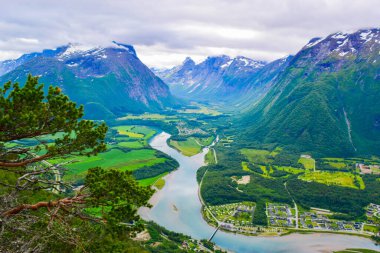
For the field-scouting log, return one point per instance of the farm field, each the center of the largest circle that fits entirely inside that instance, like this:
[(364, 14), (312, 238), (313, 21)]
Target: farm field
[(308, 163), (205, 141), (189, 147), (245, 167), (201, 109), (290, 169), (149, 116), (371, 228), (256, 155), (209, 158), (334, 178), (152, 180), (127, 150), (113, 159)]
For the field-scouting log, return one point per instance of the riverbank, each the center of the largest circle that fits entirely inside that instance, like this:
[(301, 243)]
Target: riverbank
[(181, 190)]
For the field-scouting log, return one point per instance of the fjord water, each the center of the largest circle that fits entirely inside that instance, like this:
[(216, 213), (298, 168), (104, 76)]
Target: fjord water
[(177, 207)]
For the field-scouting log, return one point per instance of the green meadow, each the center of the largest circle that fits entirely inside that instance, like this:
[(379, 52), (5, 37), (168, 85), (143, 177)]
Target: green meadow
[(334, 178), (189, 147), (127, 150), (256, 155)]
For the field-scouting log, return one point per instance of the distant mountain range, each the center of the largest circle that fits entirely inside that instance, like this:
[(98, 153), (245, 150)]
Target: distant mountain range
[(221, 78), (109, 81)]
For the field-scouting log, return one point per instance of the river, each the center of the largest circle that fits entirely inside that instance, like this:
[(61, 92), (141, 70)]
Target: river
[(177, 207)]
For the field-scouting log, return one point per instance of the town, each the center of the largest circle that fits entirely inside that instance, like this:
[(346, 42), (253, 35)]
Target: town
[(282, 218)]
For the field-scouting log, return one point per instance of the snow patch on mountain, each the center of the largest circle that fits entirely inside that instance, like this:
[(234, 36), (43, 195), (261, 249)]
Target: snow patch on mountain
[(225, 65)]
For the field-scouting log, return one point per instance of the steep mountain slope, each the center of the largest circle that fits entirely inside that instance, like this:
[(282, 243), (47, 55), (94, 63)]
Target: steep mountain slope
[(218, 78), (109, 81), (326, 100)]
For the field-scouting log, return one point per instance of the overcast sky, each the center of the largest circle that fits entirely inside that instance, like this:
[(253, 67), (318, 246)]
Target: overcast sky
[(164, 32)]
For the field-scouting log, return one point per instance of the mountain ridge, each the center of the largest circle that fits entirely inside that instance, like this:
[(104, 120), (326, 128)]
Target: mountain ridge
[(325, 100), (112, 78)]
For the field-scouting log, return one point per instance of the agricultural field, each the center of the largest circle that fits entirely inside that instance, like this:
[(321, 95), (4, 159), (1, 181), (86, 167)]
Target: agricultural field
[(189, 147), (133, 133), (210, 158), (257, 155), (113, 159), (205, 141), (149, 116), (245, 167), (290, 169), (371, 228), (154, 181), (344, 179), (201, 109), (127, 150), (338, 165), (308, 163)]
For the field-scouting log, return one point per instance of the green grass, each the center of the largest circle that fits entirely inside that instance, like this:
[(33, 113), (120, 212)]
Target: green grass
[(113, 158), (160, 183), (370, 228), (338, 165), (290, 169), (148, 116), (151, 180), (308, 163), (209, 158), (244, 165), (276, 151), (201, 110), (205, 141), (130, 144), (256, 155), (137, 132), (189, 147), (265, 171), (344, 179), (357, 251)]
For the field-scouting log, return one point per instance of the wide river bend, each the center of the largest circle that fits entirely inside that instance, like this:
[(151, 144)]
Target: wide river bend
[(178, 208)]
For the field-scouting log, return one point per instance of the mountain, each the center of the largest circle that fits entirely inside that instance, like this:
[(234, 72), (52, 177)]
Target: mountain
[(108, 81), (217, 78), (326, 100), (9, 65)]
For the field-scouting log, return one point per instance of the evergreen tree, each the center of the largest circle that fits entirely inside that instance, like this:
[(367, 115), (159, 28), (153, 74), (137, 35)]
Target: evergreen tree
[(38, 211)]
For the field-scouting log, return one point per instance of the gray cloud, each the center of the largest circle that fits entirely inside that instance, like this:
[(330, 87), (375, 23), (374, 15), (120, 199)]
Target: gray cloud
[(166, 31)]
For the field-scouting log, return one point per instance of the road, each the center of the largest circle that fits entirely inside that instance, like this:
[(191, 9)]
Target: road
[(295, 205)]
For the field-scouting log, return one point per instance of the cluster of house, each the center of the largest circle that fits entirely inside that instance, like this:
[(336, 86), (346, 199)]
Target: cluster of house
[(373, 210), (183, 130), (318, 221), (368, 169), (280, 215), (233, 223), (244, 209)]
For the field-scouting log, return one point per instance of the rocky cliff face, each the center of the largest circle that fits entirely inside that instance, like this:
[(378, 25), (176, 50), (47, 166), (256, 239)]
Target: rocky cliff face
[(109, 81)]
